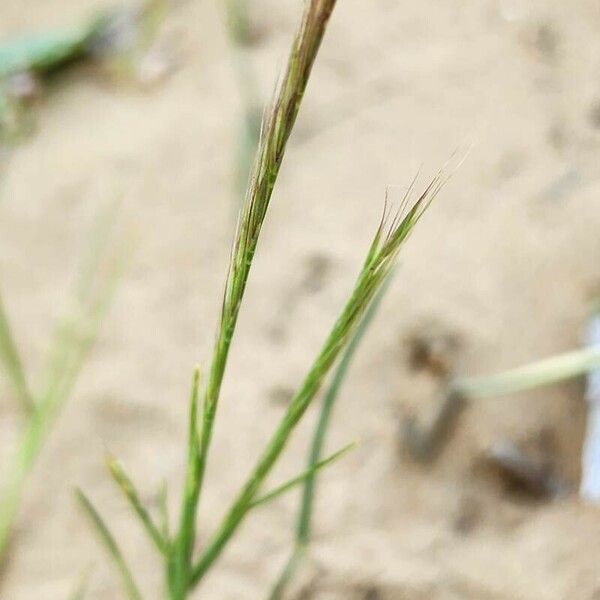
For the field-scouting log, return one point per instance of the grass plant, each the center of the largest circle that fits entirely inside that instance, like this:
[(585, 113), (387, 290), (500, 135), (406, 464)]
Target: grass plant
[(185, 562), (185, 567)]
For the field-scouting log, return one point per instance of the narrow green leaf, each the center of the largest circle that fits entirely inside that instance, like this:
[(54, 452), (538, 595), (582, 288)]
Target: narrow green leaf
[(183, 545), (292, 483), (303, 527), (110, 544), (339, 376), (163, 507), (128, 488), (9, 356), (69, 349)]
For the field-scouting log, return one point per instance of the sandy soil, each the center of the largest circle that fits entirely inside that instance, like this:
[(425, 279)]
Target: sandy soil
[(506, 260)]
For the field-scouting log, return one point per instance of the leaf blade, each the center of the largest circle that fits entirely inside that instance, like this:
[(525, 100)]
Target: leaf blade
[(110, 545), (306, 474), (129, 490)]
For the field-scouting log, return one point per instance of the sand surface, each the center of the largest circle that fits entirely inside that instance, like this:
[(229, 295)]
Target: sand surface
[(506, 260)]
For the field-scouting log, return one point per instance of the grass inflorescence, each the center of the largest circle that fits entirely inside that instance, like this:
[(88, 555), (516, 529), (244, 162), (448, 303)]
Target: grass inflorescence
[(273, 140)]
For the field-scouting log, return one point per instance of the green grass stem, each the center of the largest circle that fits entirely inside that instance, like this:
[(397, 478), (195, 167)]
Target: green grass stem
[(544, 372), (303, 526)]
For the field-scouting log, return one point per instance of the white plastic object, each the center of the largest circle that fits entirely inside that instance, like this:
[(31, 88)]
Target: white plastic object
[(590, 462)]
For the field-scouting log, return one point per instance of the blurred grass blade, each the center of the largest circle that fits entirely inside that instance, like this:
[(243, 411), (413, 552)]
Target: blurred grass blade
[(127, 487), (67, 360), (536, 374), (27, 450), (309, 473), (76, 335), (91, 300), (238, 21), (163, 507), (393, 231), (287, 573), (96, 250), (316, 450), (73, 340), (80, 590), (277, 128), (110, 544), (13, 366), (303, 527), (183, 544)]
